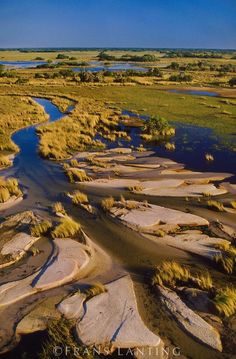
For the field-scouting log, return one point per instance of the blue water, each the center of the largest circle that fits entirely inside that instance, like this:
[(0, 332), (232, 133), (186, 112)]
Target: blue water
[(192, 143), (22, 64), (38, 176), (195, 92), (115, 67)]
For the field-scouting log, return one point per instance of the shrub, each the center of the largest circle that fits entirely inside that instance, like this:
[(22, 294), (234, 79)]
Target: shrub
[(232, 82), (79, 198), (41, 228), (158, 126), (107, 203), (181, 78), (62, 56), (67, 228)]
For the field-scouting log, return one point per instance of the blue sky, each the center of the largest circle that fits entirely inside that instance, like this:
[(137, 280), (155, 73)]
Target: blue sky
[(118, 23)]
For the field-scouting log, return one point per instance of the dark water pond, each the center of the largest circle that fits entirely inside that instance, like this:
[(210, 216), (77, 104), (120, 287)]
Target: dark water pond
[(22, 64), (195, 92), (192, 143)]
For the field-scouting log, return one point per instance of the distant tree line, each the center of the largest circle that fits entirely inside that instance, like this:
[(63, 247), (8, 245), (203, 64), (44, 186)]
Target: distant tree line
[(104, 56)]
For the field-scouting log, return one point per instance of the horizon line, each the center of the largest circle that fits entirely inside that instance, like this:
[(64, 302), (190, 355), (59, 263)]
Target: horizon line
[(113, 48)]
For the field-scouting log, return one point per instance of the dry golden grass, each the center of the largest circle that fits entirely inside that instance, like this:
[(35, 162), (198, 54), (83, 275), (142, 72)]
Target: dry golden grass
[(58, 208), (233, 204), (77, 131), (8, 188), (76, 175), (4, 161), (41, 228), (226, 260), (66, 229), (96, 289), (216, 206), (16, 112), (79, 198), (225, 301), (107, 203), (172, 274)]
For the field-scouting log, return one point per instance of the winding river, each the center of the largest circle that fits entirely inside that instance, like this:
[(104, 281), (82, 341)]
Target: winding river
[(44, 183)]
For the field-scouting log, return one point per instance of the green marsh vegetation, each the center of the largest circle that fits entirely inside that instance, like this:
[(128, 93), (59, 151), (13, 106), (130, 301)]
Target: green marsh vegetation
[(158, 127)]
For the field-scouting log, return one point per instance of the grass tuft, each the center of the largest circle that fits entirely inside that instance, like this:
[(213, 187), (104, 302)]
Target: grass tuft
[(79, 198), (216, 206), (96, 289), (107, 203), (225, 301), (58, 208), (40, 229), (67, 228)]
